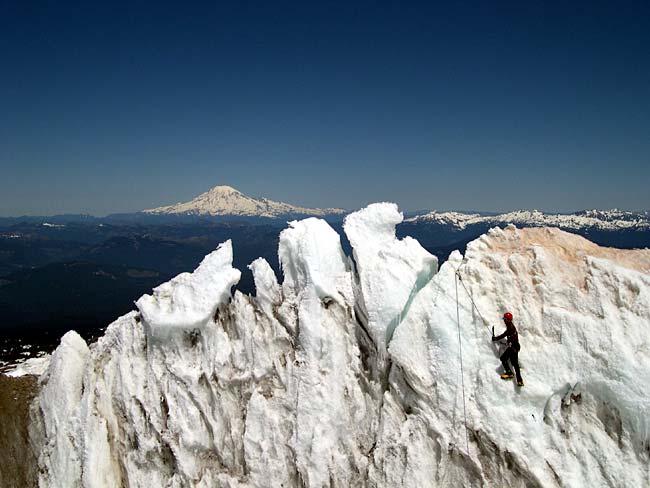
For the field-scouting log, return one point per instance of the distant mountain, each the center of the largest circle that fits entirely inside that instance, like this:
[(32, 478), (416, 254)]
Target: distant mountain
[(588, 219), (616, 228), (225, 200)]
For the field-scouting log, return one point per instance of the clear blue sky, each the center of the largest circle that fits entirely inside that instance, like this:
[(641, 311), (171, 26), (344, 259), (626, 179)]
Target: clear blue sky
[(489, 105)]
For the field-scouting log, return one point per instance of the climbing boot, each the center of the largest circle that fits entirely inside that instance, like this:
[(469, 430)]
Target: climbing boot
[(520, 383), (507, 376)]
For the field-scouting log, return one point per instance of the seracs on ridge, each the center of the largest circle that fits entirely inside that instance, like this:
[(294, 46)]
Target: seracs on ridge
[(347, 372)]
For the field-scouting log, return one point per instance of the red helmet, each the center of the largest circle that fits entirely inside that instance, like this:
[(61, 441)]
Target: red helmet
[(507, 316)]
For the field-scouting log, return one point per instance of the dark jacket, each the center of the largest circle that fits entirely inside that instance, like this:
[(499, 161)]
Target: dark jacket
[(510, 333)]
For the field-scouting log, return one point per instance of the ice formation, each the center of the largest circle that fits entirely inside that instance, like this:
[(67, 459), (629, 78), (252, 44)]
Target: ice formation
[(347, 373)]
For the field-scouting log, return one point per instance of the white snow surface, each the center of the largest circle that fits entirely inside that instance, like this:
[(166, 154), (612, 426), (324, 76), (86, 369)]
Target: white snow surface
[(226, 200), (190, 299), (348, 372), (391, 271)]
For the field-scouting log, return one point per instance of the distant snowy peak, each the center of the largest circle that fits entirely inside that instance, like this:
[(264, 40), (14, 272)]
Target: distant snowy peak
[(615, 215), (597, 219), (225, 200), (456, 219)]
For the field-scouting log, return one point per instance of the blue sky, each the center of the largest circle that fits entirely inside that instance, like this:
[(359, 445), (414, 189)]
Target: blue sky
[(489, 105)]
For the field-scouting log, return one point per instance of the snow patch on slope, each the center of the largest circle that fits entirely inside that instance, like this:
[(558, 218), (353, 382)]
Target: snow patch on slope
[(34, 366)]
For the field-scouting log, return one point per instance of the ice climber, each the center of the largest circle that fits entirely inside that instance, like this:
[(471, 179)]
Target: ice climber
[(511, 354)]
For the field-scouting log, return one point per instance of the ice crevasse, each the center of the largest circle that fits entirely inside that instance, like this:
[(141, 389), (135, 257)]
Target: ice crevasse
[(347, 372)]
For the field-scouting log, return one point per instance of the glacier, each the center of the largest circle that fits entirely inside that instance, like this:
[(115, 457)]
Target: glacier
[(347, 372)]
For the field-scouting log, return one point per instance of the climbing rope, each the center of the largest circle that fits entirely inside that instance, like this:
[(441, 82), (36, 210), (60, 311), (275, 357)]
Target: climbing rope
[(485, 322), (460, 345), (462, 375)]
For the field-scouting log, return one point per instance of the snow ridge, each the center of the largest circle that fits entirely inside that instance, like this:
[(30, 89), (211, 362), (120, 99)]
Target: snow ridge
[(302, 385), (225, 200), (597, 219)]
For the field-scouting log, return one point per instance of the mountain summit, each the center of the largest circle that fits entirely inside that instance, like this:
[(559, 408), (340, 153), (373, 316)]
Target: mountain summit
[(226, 200)]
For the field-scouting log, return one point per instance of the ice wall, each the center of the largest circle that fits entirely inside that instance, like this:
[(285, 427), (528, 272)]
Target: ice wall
[(347, 373), (583, 314)]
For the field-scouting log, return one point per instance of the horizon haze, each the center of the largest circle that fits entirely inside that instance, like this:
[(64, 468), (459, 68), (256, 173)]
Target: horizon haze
[(277, 206)]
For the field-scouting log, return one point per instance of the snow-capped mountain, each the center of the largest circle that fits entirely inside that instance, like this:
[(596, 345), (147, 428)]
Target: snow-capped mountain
[(225, 200), (609, 220), (348, 371)]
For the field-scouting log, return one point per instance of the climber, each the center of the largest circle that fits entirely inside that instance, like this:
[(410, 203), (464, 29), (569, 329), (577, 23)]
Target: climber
[(511, 353)]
